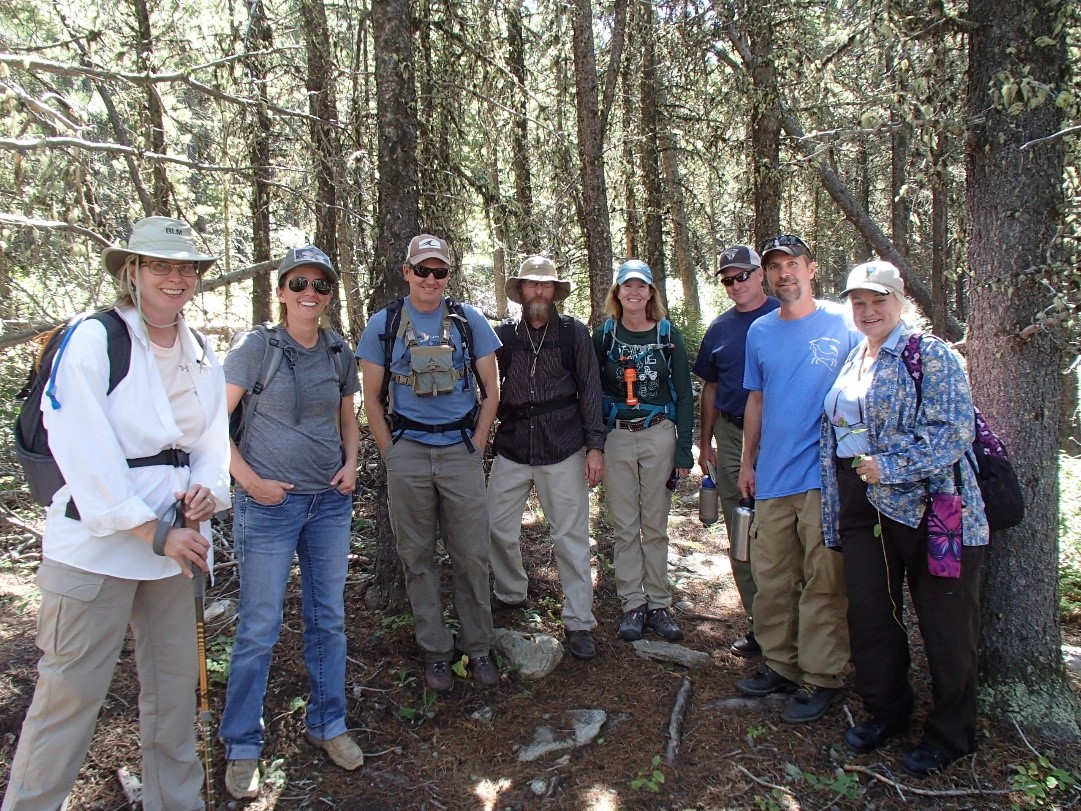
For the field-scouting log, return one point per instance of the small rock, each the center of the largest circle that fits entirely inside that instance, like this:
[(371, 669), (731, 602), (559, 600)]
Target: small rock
[(484, 714), (669, 652), (534, 656), (586, 726), (1071, 657), (538, 787), (223, 610)]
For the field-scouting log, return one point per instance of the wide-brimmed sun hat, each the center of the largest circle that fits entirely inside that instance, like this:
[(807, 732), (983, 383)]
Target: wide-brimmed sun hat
[(157, 238), (537, 269)]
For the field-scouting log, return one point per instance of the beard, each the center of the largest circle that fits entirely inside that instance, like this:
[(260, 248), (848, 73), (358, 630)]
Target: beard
[(537, 311)]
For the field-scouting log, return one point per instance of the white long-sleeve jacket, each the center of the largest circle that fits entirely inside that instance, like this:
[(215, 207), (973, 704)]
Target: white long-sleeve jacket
[(92, 435)]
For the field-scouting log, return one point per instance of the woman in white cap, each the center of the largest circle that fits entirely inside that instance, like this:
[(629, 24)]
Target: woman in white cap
[(295, 471), (897, 427), (649, 408), (111, 556)]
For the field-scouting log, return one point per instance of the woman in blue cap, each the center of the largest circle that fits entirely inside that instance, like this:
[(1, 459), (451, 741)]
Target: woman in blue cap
[(648, 405)]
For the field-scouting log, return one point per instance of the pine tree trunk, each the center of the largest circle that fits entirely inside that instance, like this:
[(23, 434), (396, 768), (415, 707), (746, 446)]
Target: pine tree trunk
[(1013, 203)]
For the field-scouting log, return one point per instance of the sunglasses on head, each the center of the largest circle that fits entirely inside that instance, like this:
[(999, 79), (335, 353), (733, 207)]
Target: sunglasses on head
[(742, 276), (424, 273), (298, 284), (783, 241)]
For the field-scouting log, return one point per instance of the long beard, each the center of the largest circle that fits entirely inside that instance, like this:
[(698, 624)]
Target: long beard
[(537, 311)]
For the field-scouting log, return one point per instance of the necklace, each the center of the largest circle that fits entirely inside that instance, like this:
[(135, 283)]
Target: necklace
[(535, 347)]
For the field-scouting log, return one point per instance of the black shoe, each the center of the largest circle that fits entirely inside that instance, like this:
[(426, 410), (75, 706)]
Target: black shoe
[(810, 703), (485, 673), (438, 677), (924, 760), (662, 621), (869, 735), (581, 645), (764, 681), (501, 605), (747, 647), (634, 621)]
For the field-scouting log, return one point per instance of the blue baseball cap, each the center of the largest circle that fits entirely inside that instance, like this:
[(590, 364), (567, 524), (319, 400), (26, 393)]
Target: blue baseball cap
[(634, 269)]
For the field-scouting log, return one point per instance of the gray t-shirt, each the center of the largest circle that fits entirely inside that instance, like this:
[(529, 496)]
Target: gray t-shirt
[(305, 452)]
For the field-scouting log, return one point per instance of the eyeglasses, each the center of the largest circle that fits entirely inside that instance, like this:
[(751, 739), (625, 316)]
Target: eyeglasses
[(158, 267), (741, 277), (298, 284), (424, 273), (784, 241)]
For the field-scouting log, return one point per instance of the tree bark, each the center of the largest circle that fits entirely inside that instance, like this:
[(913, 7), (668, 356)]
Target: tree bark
[(649, 157), (594, 210), (765, 121), (260, 38), (325, 141), (155, 120), (1014, 202), (398, 221), (525, 234)]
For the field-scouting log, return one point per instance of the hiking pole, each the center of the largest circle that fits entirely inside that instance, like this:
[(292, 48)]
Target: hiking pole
[(198, 584)]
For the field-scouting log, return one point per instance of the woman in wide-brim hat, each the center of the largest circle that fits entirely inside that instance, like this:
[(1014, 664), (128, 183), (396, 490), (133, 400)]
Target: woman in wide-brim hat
[(111, 556)]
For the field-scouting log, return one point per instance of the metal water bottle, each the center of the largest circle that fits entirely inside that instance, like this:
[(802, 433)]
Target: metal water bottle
[(707, 501), (740, 542)]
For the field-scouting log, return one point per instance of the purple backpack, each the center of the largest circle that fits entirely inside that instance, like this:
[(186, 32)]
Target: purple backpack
[(1002, 498)]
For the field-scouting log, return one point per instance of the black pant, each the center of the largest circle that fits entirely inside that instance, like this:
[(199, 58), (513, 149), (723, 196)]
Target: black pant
[(947, 609)]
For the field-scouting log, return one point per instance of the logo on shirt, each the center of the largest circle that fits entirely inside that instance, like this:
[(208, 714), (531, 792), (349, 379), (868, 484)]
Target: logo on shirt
[(825, 352)]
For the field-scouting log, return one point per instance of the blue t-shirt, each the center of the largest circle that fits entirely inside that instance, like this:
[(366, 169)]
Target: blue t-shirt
[(793, 364), (723, 352), (439, 409)]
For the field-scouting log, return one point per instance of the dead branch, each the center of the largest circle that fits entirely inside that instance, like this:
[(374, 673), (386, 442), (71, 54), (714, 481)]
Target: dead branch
[(59, 141), (926, 792), (785, 797), (675, 722), (52, 225), (1053, 138)]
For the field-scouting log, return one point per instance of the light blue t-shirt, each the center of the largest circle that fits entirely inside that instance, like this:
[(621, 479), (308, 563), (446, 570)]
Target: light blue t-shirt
[(793, 364), (439, 409)]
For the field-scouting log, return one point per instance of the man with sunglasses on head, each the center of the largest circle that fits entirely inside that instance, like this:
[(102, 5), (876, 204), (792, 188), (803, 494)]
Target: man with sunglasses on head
[(720, 365), (431, 388), (793, 356)]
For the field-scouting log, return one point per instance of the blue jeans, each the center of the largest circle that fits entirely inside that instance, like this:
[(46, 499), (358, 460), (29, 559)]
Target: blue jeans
[(316, 527)]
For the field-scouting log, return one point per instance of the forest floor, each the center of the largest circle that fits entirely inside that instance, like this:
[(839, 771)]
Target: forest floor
[(459, 750)]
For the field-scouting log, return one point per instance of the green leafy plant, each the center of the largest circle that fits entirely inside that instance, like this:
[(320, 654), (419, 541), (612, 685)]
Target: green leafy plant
[(403, 678), (650, 778), (219, 653), (770, 803), (393, 622), (425, 712), (754, 732), (1042, 783), (839, 782)]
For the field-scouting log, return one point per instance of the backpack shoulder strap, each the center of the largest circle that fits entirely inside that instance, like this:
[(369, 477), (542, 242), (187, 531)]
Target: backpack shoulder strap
[(567, 343), (272, 359), (119, 345), (336, 346), (910, 355), (465, 329), (388, 336), (507, 332)]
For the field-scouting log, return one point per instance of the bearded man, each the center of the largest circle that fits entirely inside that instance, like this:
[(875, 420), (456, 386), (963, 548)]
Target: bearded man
[(550, 438)]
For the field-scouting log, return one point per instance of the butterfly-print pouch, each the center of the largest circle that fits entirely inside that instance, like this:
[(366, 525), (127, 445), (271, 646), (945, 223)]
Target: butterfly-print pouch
[(944, 535)]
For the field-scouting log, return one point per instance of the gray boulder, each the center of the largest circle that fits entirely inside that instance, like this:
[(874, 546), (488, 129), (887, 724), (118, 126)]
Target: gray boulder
[(533, 656)]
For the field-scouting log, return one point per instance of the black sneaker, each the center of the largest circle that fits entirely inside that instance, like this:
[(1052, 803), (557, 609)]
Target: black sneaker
[(747, 647), (634, 621), (925, 759), (810, 703), (764, 681), (581, 644), (869, 735), (485, 673), (662, 621)]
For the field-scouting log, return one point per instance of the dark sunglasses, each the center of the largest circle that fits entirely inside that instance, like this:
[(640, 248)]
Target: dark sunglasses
[(424, 273), (298, 284), (742, 276), (784, 241)]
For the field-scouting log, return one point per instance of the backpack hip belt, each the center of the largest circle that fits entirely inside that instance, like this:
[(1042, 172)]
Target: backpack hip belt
[(400, 424), (509, 414)]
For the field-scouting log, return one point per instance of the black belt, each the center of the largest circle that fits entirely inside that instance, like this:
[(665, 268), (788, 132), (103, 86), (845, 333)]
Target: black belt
[(732, 418), (640, 424), (173, 457), (510, 414)]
